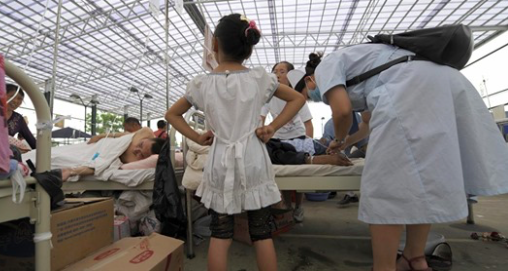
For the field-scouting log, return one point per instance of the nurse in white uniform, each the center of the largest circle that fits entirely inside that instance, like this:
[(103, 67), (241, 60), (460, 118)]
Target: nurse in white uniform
[(432, 140)]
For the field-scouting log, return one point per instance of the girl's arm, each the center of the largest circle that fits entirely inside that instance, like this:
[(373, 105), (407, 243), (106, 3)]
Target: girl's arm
[(342, 114), (309, 128), (294, 101), (174, 116)]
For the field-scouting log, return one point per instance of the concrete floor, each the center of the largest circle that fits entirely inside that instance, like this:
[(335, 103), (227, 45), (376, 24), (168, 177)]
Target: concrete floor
[(331, 238)]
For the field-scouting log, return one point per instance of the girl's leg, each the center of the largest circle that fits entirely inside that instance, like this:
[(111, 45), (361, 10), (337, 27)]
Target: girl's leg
[(222, 227), (260, 229), (265, 255), (416, 239), (218, 254), (286, 195), (385, 242)]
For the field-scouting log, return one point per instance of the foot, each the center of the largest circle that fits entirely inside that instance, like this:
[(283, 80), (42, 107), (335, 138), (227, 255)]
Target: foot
[(414, 264), (298, 215), (348, 199), (66, 173)]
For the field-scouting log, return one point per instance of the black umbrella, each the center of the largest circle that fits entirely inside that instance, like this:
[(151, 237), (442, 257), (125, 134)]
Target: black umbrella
[(69, 132)]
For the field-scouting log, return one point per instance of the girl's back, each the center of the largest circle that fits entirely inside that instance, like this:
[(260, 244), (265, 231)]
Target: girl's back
[(232, 100), (238, 162)]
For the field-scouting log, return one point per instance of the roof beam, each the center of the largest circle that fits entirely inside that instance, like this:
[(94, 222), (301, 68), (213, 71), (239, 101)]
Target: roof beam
[(87, 26), (275, 29), (349, 17), (195, 15)]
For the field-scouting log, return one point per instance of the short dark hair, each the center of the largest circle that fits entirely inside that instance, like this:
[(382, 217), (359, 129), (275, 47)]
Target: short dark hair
[(11, 88), (157, 145), (289, 65), (161, 124), (235, 37), (131, 120)]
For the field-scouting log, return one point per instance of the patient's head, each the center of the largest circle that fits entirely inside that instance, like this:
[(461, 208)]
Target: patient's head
[(131, 125), (148, 146)]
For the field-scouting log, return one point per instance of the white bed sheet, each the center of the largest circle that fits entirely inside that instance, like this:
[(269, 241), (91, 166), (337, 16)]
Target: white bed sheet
[(192, 178), (319, 170)]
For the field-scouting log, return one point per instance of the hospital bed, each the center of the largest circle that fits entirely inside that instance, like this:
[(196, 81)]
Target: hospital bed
[(302, 178), (36, 202)]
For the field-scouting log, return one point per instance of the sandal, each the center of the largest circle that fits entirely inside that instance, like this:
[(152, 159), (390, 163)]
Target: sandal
[(410, 263), (441, 257)]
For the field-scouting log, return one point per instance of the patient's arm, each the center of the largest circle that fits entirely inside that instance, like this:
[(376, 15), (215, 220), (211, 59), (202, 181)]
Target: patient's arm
[(96, 138), (142, 134), (81, 171)]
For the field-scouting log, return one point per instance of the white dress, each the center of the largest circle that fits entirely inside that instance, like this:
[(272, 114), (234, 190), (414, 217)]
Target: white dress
[(432, 138), (238, 175)]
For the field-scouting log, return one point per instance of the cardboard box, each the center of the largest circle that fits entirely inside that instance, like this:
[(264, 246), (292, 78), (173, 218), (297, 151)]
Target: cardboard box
[(79, 228), (122, 228), (283, 223), (150, 253)]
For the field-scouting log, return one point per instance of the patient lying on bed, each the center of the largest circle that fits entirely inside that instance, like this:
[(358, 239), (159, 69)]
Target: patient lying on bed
[(142, 146)]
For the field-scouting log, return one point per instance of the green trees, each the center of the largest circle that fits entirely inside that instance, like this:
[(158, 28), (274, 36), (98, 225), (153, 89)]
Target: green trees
[(104, 121)]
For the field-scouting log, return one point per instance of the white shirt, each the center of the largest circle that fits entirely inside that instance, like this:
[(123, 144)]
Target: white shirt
[(238, 175), (295, 127)]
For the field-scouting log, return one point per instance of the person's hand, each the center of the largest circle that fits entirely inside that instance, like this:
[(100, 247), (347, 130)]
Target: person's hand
[(335, 147), (94, 139), (265, 133), (206, 139), (342, 160)]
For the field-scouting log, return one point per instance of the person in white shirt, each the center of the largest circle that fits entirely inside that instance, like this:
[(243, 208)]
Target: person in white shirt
[(297, 132)]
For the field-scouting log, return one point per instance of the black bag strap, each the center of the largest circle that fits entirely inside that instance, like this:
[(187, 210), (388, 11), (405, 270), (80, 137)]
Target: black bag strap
[(368, 74)]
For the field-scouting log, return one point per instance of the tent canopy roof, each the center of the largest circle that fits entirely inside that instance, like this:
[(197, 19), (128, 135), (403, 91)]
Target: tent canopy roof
[(105, 47)]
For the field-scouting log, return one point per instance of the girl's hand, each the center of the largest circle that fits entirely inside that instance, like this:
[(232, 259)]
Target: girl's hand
[(265, 133), (206, 139)]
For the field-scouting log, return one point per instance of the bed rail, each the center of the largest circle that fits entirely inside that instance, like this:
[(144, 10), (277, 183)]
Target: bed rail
[(43, 153)]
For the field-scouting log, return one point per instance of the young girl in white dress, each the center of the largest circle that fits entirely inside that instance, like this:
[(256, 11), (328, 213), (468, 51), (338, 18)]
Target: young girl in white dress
[(238, 176)]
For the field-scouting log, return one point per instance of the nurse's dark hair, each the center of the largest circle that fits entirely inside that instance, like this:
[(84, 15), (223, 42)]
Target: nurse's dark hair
[(310, 67), (314, 60), (157, 145), (235, 41), (289, 65), (12, 88)]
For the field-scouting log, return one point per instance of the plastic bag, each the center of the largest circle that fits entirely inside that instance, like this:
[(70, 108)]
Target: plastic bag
[(167, 202)]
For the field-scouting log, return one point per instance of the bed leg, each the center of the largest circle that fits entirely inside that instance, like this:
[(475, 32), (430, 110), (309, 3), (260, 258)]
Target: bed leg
[(188, 204), (470, 215)]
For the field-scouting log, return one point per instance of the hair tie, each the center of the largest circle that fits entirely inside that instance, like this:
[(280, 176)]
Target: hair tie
[(252, 25)]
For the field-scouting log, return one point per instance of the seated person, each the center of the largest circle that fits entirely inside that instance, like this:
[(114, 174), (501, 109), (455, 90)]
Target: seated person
[(131, 125), (161, 132), (299, 130), (15, 122)]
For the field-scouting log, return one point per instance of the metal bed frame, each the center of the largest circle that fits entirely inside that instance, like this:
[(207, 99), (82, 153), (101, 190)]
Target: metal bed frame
[(36, 204)]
